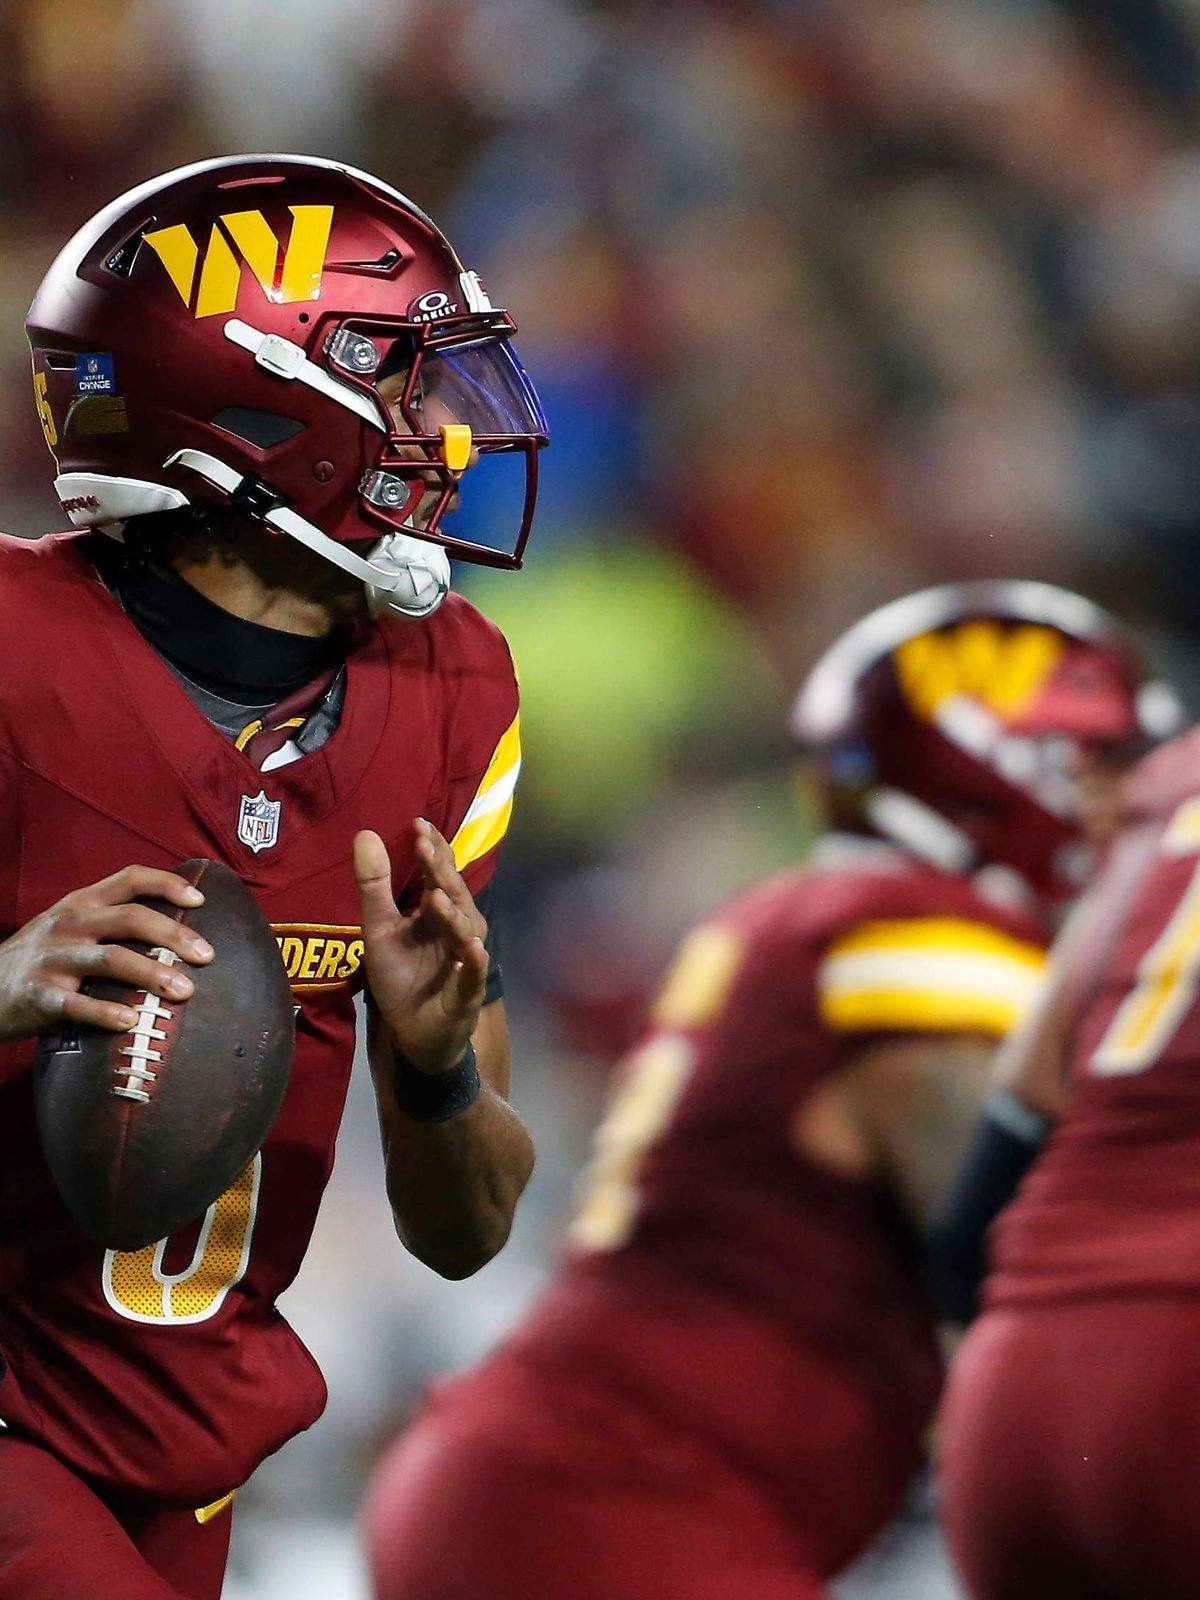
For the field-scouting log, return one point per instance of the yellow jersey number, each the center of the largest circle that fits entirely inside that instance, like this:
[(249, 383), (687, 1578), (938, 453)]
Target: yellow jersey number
[(41, 386), (652, 1086), (1167, 975), (137, 1287)]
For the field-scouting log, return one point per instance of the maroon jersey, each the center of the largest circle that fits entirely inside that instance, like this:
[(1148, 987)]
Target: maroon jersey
[(168, 1370), (708, 1254), (1114, 1202)]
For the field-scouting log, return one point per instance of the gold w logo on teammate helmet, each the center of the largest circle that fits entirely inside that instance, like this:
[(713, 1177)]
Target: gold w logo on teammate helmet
[(286, 275), (1001, 666)]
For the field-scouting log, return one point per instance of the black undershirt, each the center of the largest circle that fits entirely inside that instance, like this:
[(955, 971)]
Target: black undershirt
[(242, 662)]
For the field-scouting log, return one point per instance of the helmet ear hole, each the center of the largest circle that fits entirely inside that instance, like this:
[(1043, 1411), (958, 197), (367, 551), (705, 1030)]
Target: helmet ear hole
[(260, 428)]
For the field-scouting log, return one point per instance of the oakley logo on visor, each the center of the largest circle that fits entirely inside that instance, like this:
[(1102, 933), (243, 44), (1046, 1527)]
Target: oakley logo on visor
[(285, 275)]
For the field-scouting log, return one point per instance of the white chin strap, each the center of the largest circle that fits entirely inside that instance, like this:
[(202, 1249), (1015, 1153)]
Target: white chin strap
[(917, 827), (403, 573)]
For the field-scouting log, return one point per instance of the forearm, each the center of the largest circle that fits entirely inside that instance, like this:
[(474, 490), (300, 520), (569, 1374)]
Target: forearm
[(454, 1185), (457, 1156)]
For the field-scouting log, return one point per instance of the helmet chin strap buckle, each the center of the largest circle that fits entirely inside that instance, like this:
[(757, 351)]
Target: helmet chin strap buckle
[(403, 574), (256, 497)]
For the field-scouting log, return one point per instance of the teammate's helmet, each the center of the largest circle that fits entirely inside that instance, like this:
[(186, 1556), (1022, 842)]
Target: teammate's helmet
[(953, 721), (217, 335)]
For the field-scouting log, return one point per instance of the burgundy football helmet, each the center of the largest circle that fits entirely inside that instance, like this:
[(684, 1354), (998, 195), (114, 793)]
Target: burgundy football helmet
[(954, 721), (218, 334)]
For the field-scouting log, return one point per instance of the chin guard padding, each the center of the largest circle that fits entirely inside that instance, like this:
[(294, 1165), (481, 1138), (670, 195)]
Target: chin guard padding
[(419, 572)]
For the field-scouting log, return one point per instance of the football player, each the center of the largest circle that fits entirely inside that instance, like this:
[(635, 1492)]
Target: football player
[(725, 1390), (1072, 1432), (264, 381)]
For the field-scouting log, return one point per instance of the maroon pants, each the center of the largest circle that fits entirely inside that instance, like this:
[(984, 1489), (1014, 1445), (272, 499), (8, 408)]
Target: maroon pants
[(515, 1487), (60, 1541), (1070, 1456), (454, 1514)]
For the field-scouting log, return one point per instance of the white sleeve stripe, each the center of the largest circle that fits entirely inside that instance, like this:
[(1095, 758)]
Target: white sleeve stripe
[(929, 972), (494, 796)]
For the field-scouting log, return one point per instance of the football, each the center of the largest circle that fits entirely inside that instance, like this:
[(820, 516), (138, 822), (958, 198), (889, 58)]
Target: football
[(144, 1130)]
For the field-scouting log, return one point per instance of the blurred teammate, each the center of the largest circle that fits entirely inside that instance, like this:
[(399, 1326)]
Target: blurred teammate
[(264, 381), (725, 1391), (1072, 1438)]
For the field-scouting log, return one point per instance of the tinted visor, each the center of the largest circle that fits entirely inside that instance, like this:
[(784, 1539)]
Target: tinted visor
[(483, 513), (483, 385)]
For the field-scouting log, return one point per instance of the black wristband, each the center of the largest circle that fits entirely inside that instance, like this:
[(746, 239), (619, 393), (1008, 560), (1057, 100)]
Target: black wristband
[(436, 1096)]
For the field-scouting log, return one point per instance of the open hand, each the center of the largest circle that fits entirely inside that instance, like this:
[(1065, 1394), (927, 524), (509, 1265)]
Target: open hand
[(427, 972)]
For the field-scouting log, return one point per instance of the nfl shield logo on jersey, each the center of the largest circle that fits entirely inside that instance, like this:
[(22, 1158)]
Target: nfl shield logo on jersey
[(258, 821)]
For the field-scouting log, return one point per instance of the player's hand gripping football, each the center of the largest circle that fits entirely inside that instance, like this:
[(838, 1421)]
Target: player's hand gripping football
[(426, 972), (82, 936)]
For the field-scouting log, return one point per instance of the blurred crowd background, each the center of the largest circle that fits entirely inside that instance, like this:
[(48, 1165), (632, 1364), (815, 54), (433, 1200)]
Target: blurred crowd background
[(826, 300)]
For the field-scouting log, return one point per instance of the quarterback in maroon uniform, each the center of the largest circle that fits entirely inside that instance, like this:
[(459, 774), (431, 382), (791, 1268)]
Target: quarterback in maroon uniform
[(725, 1391), (1073, 1428), (264, 381)]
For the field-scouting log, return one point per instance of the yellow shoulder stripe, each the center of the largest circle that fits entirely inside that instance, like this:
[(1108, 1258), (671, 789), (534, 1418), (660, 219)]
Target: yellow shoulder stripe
[(941, 973), (486, 821), (938, 933)]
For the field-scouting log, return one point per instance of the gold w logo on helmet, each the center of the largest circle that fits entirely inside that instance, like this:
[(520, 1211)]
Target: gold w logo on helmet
[(286, 275), (1001, 666)]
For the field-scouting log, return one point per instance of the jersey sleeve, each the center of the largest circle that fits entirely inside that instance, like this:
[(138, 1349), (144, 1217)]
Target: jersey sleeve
[(484, 758), (928, 975), (486, 818)]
